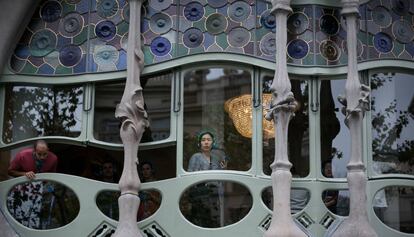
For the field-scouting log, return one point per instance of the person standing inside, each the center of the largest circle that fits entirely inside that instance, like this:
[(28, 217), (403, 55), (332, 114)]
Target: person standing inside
[(28, 162)]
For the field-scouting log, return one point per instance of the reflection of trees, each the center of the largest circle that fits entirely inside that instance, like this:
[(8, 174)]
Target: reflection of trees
[(388, 123), (40, 111)]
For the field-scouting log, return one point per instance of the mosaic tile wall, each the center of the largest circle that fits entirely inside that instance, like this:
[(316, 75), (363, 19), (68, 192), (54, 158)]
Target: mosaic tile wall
[(64, 37)]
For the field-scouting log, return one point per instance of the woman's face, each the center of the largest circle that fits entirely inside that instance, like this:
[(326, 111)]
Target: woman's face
[(206, 142), (327, 171), (146, 171)]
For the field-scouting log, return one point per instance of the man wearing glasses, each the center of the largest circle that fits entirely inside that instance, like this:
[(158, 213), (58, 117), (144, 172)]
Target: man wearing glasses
[(31, 161)]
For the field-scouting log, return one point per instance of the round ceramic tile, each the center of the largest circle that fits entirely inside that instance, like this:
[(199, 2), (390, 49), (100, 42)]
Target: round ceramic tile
[(217, 3), (160, 5), (403, 31), (297, 23), (381, 16), (51, 11), (401, 7), (105, 54), (329, 50), (70, 55), (216, 23), (193, 11), (383, 42), (105, 30), (238, 37), (107, 8), (268, 44), (125, 13), (329, 24), (42, 43), (239, 11), (268, 20), (160, 23), (160, 46), (297, 49), (193, 37), (71, 25)]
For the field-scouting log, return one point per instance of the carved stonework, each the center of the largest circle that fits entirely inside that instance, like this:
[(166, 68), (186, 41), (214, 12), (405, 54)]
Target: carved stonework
[(281, 109), (356, 103), (133, 116)]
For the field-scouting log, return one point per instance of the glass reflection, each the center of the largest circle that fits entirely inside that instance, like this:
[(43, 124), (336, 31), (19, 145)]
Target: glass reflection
[(150, 201), (335, 142), (298, 131), (337, 201), (42, 204), (157, 97), (33, 111), (392, 100), (299, 198), (394, 206), (206, 92), (215, 204)]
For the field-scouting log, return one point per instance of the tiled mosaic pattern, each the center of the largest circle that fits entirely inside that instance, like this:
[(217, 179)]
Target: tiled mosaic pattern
[(64, 37)]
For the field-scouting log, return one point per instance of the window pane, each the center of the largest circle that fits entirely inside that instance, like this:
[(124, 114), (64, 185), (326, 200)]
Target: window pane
[(42, 204), (150, 201), (394, 206), (33, 111), (215, 204), (299, 198), (206, 92), (337, 201), (157, 97), (298, 131), (392, 123), (335, 136)]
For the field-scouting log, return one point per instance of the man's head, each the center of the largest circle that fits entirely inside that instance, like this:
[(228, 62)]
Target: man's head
[(108, 169), (40, 149)]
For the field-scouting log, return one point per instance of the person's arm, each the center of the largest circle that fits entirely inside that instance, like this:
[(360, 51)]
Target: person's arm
[(192, 165), (15, 167)]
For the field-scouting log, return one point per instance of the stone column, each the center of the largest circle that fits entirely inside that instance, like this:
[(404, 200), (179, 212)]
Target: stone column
[(280, 110), (133, 116), (356, 103)]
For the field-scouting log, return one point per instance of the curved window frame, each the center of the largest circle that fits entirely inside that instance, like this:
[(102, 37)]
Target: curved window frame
[(180, 141), (368, 127)]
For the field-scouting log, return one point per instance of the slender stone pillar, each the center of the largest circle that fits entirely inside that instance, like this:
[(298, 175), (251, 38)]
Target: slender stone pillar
[(133, 116), (356, 103), (281, 109)]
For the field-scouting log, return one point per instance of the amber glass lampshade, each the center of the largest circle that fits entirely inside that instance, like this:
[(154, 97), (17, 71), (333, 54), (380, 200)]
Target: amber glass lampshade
[(240, 111)]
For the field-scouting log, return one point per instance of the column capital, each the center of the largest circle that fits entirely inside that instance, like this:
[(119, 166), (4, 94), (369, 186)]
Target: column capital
[(281, 5), (350, 7)]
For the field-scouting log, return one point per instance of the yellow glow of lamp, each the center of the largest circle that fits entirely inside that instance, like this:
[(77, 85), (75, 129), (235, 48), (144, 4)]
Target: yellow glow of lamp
[(240, 111)]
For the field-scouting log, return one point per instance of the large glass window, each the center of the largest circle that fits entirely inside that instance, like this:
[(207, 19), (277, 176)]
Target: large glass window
[(392, 123), (157, 98), (335, 136), (32, 111), (217, 101), (298, 131)]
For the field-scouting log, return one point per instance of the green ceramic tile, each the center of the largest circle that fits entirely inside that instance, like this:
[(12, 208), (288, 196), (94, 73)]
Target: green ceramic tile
[(67, 8), (308, 60), (398, 48), (200, 25), (122, 28), (370, 40), (221, 40), (182, 50), (92, 31), (343, 59), (208, 10), (196, 50), (148, 56), (320, 60), (261, 32), (82, 37), (17, 64), (63, 70), (29, 68)]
